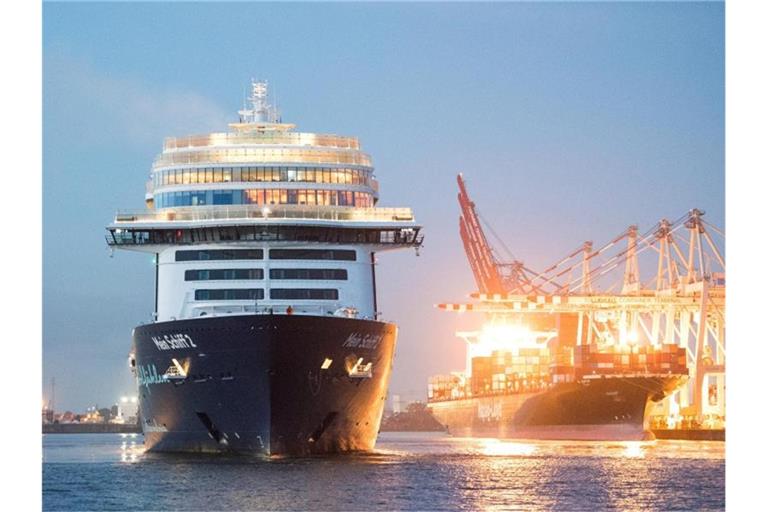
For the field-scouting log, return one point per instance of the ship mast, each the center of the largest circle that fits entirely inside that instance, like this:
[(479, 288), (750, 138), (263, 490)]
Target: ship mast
[(261, 116), (260, 111)]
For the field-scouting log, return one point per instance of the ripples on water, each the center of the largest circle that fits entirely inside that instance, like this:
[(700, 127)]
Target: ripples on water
[(408, 471)]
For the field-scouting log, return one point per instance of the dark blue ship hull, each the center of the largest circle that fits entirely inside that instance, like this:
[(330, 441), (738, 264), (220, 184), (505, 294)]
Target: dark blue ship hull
[(263, 384)]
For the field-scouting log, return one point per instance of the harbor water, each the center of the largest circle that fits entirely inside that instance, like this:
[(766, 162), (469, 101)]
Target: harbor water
[(408, 471)]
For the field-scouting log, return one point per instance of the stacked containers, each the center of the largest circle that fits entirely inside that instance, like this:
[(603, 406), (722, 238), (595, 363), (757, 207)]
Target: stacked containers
[(561, 366), (481, 375), (665, 359), (443, 387), (518, 369)]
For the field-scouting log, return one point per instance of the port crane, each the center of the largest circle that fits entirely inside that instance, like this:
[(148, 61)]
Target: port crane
[(682, 302)]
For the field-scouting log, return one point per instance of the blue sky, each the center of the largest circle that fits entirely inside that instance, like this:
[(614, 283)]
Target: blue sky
[(569, 121)]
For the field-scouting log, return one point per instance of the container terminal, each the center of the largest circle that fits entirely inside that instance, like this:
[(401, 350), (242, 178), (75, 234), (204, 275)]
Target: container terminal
[(590, 348)]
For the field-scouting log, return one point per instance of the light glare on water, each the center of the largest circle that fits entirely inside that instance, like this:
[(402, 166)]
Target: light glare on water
[(506, 448), (132, 447)]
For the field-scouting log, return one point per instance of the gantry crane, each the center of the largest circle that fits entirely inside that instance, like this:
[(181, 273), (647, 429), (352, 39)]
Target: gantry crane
[(683, 302)]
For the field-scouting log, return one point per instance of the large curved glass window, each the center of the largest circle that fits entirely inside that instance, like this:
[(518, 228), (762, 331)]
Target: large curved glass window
[(264, 197), (346, 176)]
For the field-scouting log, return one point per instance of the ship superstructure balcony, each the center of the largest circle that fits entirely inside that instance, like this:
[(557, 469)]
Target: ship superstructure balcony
[(272, 213), (260, 137), (230, 155), (295, 223)]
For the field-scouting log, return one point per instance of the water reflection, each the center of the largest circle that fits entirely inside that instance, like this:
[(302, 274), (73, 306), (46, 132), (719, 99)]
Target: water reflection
[(408, 471), (633, 450), (395, 448), (498, 447), (131, 448)]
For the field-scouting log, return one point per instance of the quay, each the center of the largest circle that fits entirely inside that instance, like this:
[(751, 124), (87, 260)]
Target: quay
[(91, 428), (698, 434)]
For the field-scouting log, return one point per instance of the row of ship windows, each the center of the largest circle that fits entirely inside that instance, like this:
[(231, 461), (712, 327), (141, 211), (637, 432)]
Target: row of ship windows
[(337, 274), (264, 197), (274, 254), (274, 293), (237, 174), (270, 155)]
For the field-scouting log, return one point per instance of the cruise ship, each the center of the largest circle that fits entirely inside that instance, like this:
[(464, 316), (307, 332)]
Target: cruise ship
[(266, 336)]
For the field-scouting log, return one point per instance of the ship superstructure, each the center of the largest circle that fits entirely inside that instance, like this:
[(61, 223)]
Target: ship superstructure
[(266, 334)]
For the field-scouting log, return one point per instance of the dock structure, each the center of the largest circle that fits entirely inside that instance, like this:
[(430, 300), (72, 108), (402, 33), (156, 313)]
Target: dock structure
[(611, 302)]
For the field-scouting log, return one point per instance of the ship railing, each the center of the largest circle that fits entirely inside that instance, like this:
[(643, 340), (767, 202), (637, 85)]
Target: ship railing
[(292, 138), (263, 156), (265, 213)]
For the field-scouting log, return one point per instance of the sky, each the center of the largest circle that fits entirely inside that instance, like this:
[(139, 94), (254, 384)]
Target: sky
[(570, 121)]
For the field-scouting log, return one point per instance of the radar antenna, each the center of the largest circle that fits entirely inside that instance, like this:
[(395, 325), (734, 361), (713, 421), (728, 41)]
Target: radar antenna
[(261, 111)]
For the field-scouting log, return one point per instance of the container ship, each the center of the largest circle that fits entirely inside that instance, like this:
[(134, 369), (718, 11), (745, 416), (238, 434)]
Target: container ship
[(266, 336), (559, 360), (550, 390)]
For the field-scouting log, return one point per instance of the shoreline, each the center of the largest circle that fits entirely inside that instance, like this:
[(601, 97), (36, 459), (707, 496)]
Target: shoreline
[(90, 428)]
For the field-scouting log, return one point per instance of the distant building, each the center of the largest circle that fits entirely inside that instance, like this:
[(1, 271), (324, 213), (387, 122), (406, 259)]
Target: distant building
[(396, 409), (127, 410), (91, 416), (105, 414)]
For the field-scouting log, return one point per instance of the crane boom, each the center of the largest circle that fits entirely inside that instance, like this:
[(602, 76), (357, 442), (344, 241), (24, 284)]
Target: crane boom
[(484, 266)]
